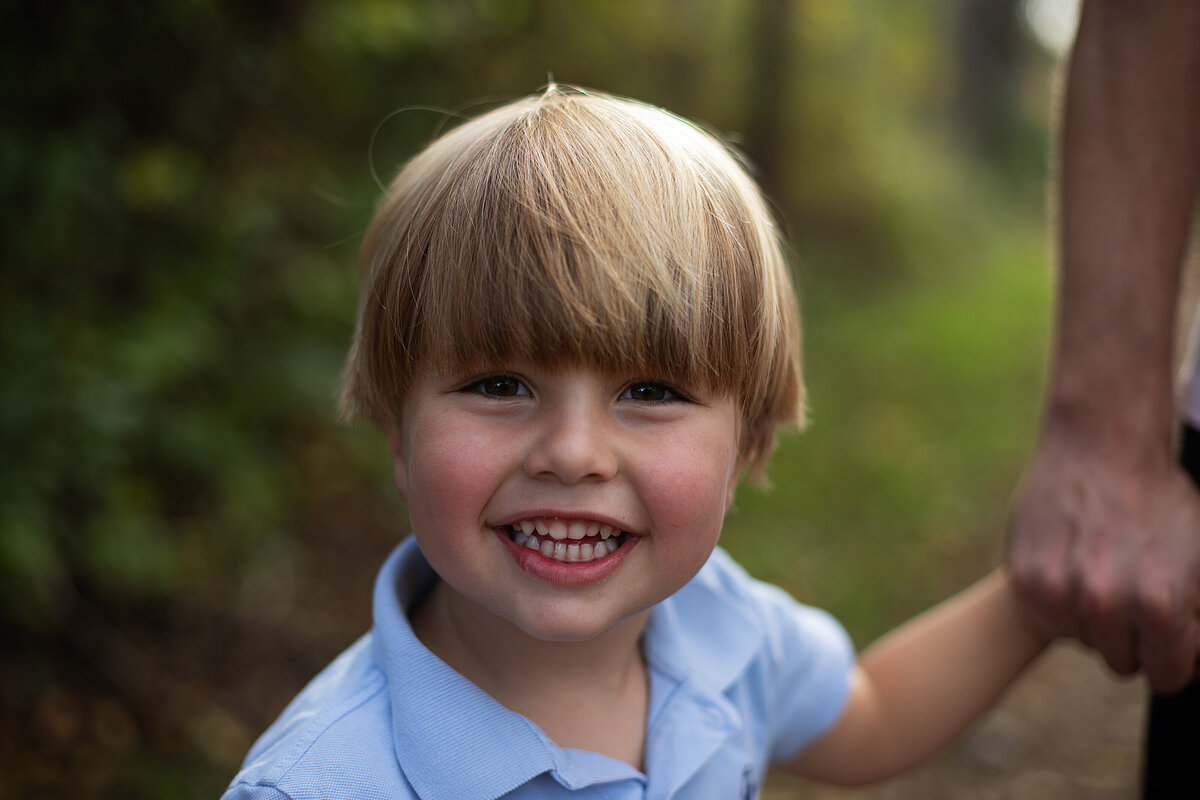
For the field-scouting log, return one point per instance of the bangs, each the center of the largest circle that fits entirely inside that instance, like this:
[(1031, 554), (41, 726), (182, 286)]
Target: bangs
[(547, 253), (576, 229)]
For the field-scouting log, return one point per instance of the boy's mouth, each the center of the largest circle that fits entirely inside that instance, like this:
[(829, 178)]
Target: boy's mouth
[(570, 542)]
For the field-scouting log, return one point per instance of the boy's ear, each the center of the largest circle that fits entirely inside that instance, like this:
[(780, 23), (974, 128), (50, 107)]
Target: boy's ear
[(734, 480), (395, 440)]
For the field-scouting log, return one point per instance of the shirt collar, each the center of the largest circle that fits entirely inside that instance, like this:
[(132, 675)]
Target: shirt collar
[(699, 636), (453, 740), (702, 642)]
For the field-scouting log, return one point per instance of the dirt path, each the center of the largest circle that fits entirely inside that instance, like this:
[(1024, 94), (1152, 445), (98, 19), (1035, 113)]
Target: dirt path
[(1068, 730)]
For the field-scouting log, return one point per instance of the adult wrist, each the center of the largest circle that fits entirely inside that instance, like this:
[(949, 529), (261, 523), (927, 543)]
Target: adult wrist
[(1133, 433)]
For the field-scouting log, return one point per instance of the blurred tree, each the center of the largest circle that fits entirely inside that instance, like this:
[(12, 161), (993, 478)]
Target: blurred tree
[(185, 532), (991, 53), (773, 49)]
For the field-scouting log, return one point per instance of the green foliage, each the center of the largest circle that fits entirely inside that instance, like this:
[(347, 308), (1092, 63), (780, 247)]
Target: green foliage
[(185, 183)]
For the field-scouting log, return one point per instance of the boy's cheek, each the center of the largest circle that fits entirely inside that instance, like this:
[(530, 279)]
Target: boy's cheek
[(692, 498), (700, 481), (452, 469)]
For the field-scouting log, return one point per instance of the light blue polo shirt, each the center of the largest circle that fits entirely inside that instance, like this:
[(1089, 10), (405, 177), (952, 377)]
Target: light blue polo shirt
[(741, 676)]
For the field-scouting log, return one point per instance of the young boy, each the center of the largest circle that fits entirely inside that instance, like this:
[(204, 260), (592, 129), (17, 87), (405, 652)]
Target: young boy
[(577, 330)]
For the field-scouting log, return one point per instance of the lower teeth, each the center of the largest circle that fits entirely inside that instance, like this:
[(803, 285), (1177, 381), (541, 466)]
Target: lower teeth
[(575, 552)]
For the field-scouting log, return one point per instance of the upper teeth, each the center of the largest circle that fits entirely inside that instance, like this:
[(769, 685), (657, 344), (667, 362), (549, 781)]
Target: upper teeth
[(558, 529)]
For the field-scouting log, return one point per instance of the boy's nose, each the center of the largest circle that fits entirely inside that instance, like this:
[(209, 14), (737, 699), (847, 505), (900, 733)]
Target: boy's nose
[(573, 447)]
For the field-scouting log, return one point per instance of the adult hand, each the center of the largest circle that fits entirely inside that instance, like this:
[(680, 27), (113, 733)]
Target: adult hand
[(1109, 554)]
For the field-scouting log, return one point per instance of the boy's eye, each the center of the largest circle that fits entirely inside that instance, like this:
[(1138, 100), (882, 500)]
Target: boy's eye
[(649, 392), (499, 386)]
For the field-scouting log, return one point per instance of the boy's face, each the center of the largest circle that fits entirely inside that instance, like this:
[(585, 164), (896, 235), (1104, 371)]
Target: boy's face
[(563, 501)]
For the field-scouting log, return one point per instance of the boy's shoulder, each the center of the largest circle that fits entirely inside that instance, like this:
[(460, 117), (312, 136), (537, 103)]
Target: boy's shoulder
[(383, 718), (786, 661), (333, 739)]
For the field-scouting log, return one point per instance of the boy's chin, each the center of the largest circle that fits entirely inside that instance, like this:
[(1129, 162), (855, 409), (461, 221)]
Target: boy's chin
[(566, 628)]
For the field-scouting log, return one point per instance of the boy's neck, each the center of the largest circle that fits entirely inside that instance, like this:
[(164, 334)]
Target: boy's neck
[(591, 695)]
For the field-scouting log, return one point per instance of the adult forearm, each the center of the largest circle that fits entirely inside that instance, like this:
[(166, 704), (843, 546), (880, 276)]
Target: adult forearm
[(1129, 166), (1102, 535)]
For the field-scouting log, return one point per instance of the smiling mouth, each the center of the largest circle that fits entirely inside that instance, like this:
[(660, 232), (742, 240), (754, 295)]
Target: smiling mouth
[(575, 542)]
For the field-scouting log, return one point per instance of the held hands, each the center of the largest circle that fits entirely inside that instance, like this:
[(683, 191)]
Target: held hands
[(1110, 555)]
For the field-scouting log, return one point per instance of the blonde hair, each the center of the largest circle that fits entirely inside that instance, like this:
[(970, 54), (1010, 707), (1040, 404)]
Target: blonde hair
[(577, 227)]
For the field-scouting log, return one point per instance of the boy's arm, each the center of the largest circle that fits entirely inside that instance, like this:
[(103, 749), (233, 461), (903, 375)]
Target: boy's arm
[(919, 686)]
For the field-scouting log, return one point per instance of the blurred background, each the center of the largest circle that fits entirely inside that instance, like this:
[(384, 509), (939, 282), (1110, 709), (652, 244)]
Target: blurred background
[(187, 534)]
